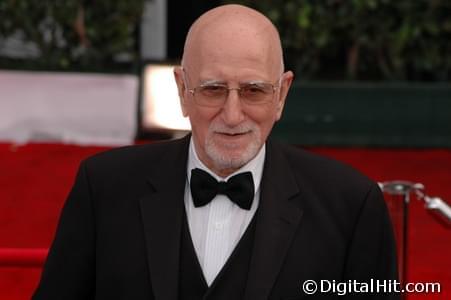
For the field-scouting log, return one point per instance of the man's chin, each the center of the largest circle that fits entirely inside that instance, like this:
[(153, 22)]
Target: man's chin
[(232, 148), (232, 155)]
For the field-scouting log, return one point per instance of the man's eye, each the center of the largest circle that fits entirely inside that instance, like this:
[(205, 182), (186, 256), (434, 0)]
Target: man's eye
[(253, 89), (213, 90)]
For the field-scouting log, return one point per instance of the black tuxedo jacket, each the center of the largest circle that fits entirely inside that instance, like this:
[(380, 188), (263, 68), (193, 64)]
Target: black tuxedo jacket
[(119, 231)]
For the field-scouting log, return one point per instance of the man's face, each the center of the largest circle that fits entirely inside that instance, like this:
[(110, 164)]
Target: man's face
[(228, 136)]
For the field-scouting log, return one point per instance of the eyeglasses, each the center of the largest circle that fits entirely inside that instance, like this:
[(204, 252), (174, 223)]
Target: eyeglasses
[(215, 94)]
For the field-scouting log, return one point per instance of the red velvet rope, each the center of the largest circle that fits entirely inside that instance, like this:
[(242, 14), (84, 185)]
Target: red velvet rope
[(22, 257)]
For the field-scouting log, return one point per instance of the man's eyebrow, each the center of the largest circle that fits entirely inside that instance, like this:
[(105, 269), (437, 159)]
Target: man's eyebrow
[(256, 82), (223, 82), (212, 82)]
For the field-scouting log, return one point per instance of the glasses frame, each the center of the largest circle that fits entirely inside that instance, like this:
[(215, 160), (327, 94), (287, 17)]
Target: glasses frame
[(276, 85)]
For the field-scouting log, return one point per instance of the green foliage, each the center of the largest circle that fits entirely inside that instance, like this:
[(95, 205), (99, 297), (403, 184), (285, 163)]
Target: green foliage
[(72, 34), (323, 39), (364, 39)]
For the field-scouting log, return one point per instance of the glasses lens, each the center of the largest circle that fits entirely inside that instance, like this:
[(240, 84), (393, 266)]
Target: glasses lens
[(256, 93), (211, 95)]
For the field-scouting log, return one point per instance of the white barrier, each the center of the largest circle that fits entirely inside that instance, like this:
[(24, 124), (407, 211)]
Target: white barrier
[(75, 108)]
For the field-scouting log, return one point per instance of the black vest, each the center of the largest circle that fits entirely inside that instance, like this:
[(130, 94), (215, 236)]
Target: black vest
[(231, 281)]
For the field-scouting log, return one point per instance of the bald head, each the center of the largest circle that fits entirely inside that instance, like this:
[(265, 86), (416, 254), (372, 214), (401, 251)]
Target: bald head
[(230, 31)]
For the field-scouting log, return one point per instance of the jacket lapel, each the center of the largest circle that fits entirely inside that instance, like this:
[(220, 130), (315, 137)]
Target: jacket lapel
[(278, 218), (162, 212)]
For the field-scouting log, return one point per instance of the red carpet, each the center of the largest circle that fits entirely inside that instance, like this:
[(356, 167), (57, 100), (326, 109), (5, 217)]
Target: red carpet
[(35, 179)]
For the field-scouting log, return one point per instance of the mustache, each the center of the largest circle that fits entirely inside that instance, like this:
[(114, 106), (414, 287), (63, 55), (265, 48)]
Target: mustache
[(241, 128)]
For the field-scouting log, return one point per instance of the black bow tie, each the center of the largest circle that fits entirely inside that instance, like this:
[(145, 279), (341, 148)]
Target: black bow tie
[(239, 188)]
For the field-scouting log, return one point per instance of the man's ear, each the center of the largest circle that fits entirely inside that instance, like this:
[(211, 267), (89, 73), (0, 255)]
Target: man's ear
[(287, 79), (181, 88)]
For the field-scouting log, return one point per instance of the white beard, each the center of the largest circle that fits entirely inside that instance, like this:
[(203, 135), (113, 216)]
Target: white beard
[(220, 153)]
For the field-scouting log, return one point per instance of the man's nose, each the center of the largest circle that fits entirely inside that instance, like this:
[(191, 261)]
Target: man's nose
[(232, 111)]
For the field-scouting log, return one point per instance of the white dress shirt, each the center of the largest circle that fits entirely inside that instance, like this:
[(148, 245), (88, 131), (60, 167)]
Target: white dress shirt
[(217, 227)]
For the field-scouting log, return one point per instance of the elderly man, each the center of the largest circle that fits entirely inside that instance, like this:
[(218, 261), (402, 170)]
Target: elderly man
[(222, 213)]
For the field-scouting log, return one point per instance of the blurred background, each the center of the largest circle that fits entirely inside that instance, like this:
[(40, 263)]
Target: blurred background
[(372, 88)]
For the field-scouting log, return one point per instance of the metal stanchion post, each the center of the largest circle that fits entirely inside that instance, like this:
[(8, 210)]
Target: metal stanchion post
[(397, 196)]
